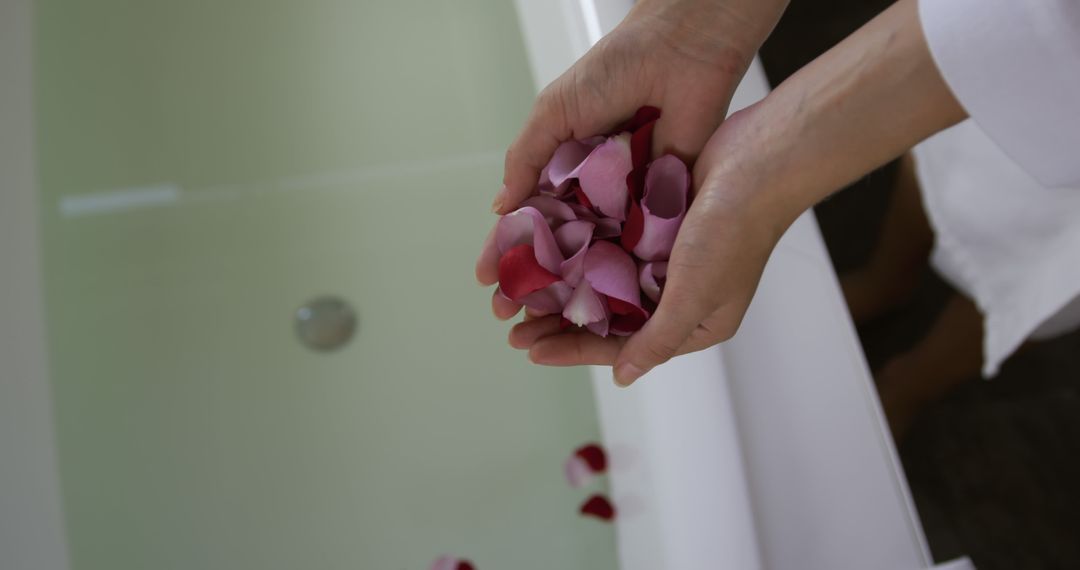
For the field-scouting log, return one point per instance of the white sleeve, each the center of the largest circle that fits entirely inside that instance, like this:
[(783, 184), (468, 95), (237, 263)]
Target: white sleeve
[(1015, 67)]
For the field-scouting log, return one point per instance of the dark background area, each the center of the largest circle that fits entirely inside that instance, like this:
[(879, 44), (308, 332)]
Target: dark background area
[(995, 466)]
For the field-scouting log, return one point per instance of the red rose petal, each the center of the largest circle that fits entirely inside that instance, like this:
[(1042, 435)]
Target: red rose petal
[(634, 228), (643, 115), (624, 325), (565, 323), (627, 317), (581, 197), (520, 273), (465, 565), (599, 507), (641, 145), (620, 307), (594, 456), (584, 464)]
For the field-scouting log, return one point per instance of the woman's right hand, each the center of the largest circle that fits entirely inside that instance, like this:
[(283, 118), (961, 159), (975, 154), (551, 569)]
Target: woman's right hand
[(684, 56)]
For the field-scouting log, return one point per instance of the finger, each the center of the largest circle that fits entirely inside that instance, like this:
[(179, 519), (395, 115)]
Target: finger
[(527, 155), (657, 342), (487, 265), (702, 338), (574, 348), (526, 333), (502, 307), (531, 313), (554, 120)]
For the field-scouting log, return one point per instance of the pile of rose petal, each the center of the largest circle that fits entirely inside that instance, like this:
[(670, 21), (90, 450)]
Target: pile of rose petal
[(593, 243)]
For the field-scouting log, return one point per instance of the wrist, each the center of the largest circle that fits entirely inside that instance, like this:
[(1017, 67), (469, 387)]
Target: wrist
[(723, 33), (744, 171), (863, 103)]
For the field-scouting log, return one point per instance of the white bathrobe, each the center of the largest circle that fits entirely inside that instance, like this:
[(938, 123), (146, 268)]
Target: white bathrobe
[(1002, 190)]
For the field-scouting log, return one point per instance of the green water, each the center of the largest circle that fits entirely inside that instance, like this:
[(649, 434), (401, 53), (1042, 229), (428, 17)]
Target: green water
[(343, 147)]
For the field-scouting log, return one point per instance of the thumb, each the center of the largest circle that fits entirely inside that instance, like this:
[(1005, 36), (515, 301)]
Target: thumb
[(663, 335), (553, 120), (545, 129)]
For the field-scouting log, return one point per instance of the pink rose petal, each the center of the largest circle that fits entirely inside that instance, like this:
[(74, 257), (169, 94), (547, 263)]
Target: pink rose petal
[(585, 306), (447, 562), (651, 277), (527, 226), (520, 274), (555, 212), (663, 207), (603, 176), (573, 240), (600, 328), (578, 473), (564, 164), (605, 227), (550, 300), (573, 236), (444, 562), (611, 271)]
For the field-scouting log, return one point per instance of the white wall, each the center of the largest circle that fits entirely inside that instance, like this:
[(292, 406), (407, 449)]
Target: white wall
[(31, 522)]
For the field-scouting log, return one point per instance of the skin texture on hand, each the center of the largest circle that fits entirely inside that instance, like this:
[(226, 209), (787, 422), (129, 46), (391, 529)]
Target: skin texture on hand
[(862, 103)]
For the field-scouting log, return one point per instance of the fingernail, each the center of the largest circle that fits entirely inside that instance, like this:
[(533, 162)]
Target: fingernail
[(500, 197), (627, 373)]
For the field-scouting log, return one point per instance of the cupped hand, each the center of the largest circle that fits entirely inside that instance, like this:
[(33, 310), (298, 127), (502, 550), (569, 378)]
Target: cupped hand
[(838, 118), (719, 255), (684, 56)]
